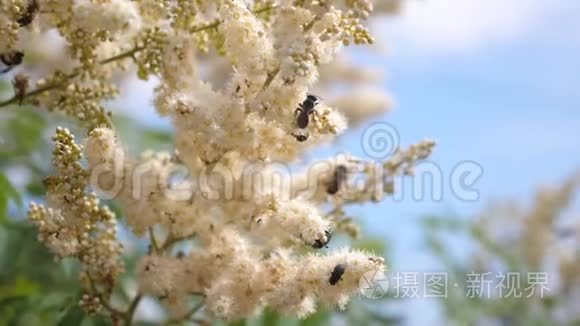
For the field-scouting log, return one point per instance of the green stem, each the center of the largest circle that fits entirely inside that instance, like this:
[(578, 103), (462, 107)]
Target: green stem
[(171, 240), (103, 301), (270, 78), (131, 311), (153, 240), (275, 72), (70, 76), (188, 316)]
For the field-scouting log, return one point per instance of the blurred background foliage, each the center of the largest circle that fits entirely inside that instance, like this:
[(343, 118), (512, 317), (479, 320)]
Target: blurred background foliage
[(507, 238)]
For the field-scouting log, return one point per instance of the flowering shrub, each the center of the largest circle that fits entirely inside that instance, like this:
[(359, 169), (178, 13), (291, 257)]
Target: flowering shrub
[(529, 255), (259, 230)]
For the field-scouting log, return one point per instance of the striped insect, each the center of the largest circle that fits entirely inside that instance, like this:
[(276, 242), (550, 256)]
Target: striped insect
[(303, 113)]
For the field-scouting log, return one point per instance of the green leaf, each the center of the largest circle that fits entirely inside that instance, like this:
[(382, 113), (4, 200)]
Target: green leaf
[(9, 300), (142, 137), (157, 138), (142, 74), (376, 245), (22, 286), (270, 317), (23, 132), (241, 322), (7, 193), (35, 189), (73, 317), (55, 301), (321, 317), (5, 86), (3, 208)]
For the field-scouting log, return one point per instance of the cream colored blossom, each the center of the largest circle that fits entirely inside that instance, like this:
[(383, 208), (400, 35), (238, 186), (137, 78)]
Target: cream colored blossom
[(75, 224), (364, 104), (228, 185)]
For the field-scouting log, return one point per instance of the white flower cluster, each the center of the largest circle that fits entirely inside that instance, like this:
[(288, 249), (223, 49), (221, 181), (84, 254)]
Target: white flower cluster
[(74, 224), (253, 224), (237, 281), (254, 113)]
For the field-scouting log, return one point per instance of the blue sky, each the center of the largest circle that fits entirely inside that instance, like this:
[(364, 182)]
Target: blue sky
[(493, 82)]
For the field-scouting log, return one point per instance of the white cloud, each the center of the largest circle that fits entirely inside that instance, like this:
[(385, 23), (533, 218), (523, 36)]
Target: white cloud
[(444, 26)]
